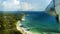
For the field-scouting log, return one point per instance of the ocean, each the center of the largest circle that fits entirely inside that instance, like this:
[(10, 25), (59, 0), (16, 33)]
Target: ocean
[(40, 22)]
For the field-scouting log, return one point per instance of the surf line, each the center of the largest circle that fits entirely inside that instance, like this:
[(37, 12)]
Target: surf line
[(22, 29)]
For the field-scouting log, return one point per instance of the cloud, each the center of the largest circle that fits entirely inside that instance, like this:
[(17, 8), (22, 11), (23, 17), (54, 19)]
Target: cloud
[(27, 6), (18, 5), (14, 5)]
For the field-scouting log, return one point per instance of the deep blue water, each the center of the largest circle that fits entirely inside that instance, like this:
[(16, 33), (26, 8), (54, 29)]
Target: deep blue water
[(40, 21)]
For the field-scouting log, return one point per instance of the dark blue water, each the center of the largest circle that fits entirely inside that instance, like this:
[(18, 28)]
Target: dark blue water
[(40, 21)]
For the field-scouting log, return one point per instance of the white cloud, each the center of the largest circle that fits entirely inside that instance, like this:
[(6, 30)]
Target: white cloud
[(14, 5), (26, 6)]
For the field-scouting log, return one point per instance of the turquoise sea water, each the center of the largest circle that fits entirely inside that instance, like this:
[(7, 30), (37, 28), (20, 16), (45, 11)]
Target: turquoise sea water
[(40, 22)]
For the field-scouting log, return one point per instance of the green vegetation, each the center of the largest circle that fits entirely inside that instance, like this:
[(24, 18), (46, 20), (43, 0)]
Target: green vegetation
[(8, 23)]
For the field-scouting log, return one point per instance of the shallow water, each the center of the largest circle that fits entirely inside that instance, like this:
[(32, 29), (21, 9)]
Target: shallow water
[(40, 22)]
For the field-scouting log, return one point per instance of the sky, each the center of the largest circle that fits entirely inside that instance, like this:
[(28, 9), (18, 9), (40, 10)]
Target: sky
[(23, 5)]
